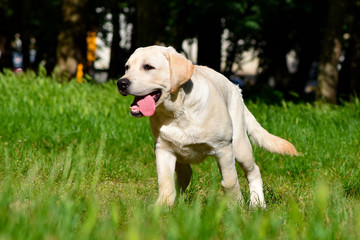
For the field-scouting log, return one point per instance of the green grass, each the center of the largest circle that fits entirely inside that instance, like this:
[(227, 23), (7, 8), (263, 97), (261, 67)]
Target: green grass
[(75, 165)]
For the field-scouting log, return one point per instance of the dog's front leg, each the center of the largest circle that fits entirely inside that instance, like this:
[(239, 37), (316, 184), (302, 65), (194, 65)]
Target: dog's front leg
[(165, 167)]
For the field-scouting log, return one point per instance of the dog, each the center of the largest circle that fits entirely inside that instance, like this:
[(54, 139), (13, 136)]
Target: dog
[(195, 112)]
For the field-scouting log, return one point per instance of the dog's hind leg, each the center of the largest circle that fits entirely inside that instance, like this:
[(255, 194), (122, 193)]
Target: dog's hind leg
[(230, 182), (243, 152), (183, 175), (243, 155)]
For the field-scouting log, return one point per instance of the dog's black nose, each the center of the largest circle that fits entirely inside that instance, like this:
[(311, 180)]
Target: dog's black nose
[(123, 84)]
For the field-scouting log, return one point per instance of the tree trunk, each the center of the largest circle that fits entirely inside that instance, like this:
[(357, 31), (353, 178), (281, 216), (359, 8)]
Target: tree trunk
[(24, 6), (115, 55), (355, 53), (330, 53), (149, 24), (282, 75), (71, 46), (209, 42), (231, 54), (306, 58)]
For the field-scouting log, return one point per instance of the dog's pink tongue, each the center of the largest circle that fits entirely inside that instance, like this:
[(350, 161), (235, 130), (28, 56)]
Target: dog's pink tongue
[(147, 106)]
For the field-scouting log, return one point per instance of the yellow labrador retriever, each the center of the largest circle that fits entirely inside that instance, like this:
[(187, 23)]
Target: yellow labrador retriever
[(195, 112)]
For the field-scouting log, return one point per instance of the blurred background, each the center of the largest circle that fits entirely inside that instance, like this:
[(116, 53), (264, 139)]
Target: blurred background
[(302, 49)]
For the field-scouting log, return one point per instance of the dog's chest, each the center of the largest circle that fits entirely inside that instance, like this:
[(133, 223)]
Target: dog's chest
[(188, 143)]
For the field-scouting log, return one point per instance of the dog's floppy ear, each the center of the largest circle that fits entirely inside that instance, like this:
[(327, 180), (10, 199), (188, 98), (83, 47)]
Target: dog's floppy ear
[(181, 69)]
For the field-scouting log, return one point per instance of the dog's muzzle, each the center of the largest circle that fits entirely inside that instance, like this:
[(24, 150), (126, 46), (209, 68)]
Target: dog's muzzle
[(123, 84)]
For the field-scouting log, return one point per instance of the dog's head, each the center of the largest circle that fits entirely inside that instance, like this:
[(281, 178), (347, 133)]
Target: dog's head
[(152, 74)]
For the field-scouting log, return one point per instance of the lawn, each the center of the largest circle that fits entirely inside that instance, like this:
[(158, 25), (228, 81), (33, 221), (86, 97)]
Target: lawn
[(74, 164)]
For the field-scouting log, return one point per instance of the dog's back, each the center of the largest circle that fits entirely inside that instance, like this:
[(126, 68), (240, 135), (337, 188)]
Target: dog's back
[(241, 116)]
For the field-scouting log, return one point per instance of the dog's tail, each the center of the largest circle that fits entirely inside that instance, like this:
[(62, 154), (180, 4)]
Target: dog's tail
[(266, 140)]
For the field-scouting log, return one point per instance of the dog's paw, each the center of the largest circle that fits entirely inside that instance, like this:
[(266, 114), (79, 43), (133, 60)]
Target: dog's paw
[(165, 202), (256, 204)]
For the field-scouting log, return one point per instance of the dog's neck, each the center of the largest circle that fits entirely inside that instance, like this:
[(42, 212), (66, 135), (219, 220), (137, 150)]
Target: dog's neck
[(172, 109)]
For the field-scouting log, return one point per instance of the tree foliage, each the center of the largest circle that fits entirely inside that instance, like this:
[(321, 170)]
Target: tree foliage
[(272, 28)]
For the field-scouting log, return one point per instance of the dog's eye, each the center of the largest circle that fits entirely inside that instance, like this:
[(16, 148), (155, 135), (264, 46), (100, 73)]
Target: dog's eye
[(148, 67), (127, 67)]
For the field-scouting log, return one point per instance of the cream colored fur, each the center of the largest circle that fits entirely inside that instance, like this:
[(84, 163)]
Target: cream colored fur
[(200, 113)]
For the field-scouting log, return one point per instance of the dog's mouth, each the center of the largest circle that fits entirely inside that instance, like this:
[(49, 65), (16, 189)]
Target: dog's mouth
[(145, 105)]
